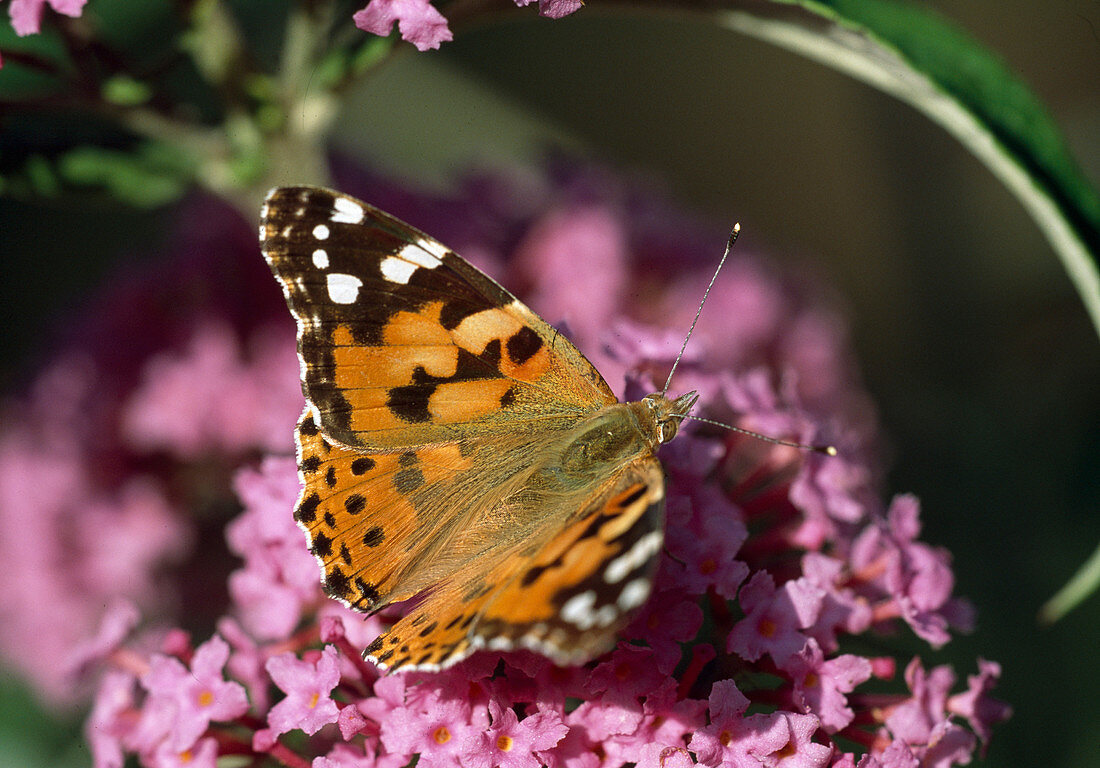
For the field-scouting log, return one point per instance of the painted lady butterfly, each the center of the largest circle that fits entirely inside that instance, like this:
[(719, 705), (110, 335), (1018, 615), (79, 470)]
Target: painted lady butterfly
[(456, 447)]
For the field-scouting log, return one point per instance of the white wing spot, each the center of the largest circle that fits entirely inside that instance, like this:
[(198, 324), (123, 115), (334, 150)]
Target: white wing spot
[(397, 270), (605, 616), (300, 212), (634, 594), (643, 549), (434, 248), (320, 258), (343, 289), (320, 232), (578, 610), (418, 255), (347, 211)]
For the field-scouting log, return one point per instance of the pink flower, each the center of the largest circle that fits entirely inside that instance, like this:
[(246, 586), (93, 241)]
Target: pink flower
[(774, 618), (916, 577), (26, 15), (213, 397), (801, 751), (923, 723), (512, 742), (425, 27), (194, 696), (733, 739), (554, 9), (280, 575), (440, 729), (820, 685), (976, 705), (118, 622), (108, 725), (203, 754), (419, 22), (308, 685), (667, 620)]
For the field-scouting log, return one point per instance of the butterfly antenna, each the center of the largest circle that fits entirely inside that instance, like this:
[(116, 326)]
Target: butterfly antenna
[(729, 245), (828, 450)]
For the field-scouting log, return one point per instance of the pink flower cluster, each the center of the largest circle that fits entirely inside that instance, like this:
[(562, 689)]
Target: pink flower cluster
[(26, 15), (775, 560), (670, 694), (421, 24)]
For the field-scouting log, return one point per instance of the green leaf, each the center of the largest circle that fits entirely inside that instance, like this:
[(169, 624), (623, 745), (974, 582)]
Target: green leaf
[(153, 174), (915, 55)]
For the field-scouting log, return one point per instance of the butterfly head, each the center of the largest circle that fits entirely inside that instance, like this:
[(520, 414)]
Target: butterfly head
[(667, 414)]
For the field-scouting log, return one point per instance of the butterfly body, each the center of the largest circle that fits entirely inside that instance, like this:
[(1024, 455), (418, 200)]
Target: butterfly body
[(455, 448)]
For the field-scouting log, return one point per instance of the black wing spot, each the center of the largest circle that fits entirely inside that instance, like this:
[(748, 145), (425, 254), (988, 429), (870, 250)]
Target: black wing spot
[(362, 466), (407, 459), (374, 647), (307, 510), (337, 584), (491, 354), (310, 464), (523, 345), (330, 519), (308, 428), (345, 554), (330, 477), (508, 398), (532, 575), (355, 504), (410, 403), (374, 536), (428, 629), (322, 545), (633, 497)]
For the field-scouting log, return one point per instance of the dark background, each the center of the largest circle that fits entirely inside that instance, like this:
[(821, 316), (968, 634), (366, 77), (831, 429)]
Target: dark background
[(971, 337)]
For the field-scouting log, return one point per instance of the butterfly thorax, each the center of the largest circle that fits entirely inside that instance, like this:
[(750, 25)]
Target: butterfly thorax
[(613, 436)]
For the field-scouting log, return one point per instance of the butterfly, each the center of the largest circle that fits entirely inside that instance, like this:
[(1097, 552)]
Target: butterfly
[(457, 449)]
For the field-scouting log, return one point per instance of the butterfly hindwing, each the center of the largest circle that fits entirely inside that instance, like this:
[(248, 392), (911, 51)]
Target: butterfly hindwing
[(403, 343), (565, 596)]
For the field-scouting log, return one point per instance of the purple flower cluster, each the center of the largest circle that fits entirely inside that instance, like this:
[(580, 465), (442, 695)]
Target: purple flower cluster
[(774, 561), (425, 27), (26, 15)]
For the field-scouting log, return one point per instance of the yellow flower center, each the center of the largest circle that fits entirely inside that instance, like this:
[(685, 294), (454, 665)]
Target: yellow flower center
[(206, 698), (767, 627), (441, 735), (314, 699), (504, 743)]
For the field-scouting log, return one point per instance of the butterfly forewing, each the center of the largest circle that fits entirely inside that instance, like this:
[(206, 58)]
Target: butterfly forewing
[(402, 341)]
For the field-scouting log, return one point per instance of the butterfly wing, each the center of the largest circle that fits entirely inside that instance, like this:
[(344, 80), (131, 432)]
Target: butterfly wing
[(405, 344), (566, 597)]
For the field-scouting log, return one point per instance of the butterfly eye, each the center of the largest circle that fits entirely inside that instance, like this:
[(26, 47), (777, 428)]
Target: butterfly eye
[(668, 430)]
